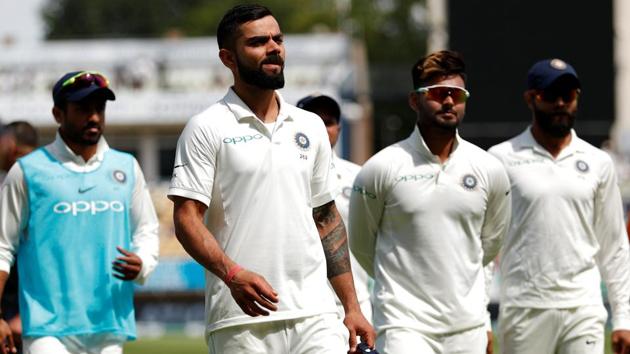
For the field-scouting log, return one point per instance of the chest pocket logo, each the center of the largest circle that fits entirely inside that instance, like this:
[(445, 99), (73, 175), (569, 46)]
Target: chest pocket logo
[(469, 182), (119, 176), (302, 141), (581, 166)]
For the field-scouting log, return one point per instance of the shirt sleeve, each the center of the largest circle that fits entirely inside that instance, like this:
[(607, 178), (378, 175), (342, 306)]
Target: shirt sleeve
[(498, 212), (488, 273), (195, 163), (366, 210), (145, 239), (323, 185), (612, 258), (14, 211)]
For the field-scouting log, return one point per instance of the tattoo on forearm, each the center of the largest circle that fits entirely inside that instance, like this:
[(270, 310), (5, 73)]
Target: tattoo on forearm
[(323, 215), (333, 236), (336, 251)]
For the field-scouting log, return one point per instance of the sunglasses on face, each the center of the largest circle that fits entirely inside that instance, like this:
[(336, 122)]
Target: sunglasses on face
[(440, 92), (86, 79), (551, 96)]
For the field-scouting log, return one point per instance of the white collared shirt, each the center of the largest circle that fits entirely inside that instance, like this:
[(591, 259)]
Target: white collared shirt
[(260, 187), (567, 228), (425, 229), (14, 208)]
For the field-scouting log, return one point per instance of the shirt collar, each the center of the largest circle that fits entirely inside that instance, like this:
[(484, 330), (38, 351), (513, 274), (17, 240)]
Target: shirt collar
[(420, 145), (242, 111), (527, 141), (64, 153)]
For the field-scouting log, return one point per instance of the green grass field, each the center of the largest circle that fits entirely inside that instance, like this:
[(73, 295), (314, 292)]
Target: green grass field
[(169, 344), (180, 344)]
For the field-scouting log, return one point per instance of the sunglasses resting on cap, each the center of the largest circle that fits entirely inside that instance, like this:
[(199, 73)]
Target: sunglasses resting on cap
[(76, 86)]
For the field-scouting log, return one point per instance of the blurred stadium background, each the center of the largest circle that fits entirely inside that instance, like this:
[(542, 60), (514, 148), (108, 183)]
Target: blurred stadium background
[(161, 58)]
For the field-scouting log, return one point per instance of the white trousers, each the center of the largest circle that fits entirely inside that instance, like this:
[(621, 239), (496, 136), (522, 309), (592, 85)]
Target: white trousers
[(80, 344), (578, 330), (309, 335), (407, 340)]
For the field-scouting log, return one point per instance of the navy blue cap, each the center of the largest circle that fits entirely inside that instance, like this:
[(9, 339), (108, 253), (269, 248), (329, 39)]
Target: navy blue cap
[(76, 93), (316, 100), (542, 74)]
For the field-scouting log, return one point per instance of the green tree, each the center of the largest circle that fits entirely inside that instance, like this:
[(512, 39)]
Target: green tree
[(67, 19)]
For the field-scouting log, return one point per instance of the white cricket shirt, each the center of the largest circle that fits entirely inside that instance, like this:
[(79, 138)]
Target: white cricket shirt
[(346, 172), (14, 207), (567, 227), (261, 188), (425, 229)]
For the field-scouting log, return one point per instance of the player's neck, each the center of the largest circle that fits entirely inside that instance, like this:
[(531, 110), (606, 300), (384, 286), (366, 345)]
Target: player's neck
[(554, 145), (439, 141), (85, 151), (262, 102)]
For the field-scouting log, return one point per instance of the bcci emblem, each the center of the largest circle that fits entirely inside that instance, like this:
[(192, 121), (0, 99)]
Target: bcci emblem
[(469, 182), (301, 140), (119, 176), (581, 166)]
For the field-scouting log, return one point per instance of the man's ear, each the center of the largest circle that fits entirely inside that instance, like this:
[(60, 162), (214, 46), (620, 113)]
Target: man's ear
[(227, 58), (413, 101), (57, 113), (529, 96)]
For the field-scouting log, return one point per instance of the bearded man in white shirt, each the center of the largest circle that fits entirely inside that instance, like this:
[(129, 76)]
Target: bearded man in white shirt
[(567, 229), (254, 204), (426, 215)]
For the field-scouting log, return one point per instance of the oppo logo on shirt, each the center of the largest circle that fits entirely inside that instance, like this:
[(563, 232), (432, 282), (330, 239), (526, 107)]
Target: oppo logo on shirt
[(525, 162), (420, 177), (242, 139), (363, 191), (93, 207)]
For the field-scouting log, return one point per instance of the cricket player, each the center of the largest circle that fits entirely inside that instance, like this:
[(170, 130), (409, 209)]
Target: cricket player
[(426, 215), (567, 230)]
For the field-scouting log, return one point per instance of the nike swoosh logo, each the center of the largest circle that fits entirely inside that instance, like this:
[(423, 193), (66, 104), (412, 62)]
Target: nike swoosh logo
[(83, 190), (182, 165)]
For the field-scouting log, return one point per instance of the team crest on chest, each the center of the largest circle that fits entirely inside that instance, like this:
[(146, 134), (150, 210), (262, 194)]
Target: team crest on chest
[(469, 182), (119, 176), (302, 141), (581, 166)]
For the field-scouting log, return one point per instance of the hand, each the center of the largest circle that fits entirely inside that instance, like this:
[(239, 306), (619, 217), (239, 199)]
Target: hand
[(127, 267), (15, 323), (490, 347), (358, 326), (253, 294), (620, 341), (6, 339)]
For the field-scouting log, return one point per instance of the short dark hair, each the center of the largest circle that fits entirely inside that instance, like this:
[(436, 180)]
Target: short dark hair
[(23, 133), (438, 64), (233, 18)]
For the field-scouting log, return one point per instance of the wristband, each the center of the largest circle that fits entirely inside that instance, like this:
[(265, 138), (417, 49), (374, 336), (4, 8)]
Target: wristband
[(232, 272)]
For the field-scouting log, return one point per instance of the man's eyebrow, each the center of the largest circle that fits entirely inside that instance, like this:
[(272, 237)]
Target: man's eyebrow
[(263, 39)]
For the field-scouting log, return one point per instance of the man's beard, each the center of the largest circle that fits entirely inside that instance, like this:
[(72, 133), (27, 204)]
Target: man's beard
[(80, 137), (257, 77), (558, 128)]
